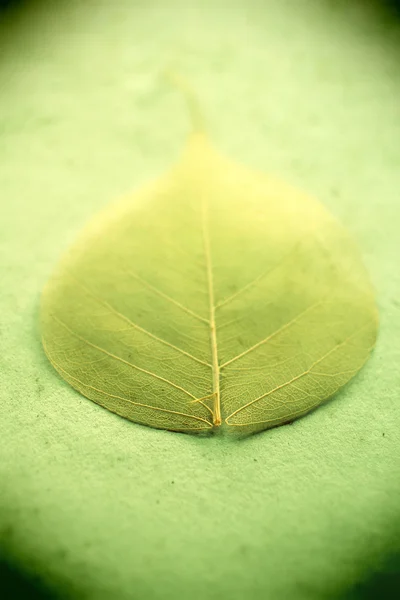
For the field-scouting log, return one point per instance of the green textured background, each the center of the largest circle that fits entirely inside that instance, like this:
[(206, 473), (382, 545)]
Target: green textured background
[(101, 508)]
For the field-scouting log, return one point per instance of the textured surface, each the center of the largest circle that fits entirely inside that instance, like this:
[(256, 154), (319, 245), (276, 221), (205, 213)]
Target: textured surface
[(97, 505), (214, 296)]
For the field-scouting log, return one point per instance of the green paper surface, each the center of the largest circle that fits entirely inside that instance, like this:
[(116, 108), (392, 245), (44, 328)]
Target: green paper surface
[(99, 507)]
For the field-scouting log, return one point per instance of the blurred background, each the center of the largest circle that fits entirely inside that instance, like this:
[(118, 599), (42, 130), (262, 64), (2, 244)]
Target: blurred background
[(308, 89)]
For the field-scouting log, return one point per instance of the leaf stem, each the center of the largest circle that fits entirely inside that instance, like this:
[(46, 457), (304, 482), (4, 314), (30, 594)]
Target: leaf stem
[(192, 102)]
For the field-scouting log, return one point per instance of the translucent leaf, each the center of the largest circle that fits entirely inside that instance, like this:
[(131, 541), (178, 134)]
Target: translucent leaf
[(216, 295)]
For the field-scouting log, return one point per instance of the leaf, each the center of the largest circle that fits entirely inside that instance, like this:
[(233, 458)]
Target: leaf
[(214, 295)]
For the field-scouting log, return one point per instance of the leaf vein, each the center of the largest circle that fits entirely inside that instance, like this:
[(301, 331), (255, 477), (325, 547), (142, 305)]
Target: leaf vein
[(114, 356), (272, 335), (213, 327), (283, 385), (175, 412), (167, 297), (259, 277), (135, 326)]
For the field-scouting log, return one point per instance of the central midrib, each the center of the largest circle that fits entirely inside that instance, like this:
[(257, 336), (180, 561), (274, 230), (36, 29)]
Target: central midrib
[(213, 328)]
